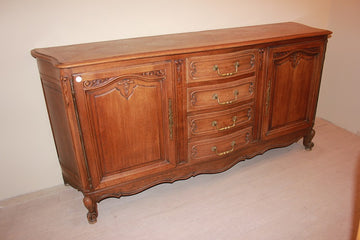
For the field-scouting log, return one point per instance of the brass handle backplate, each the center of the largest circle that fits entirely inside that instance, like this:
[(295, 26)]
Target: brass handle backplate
[(171, 119), (214, 149), (214, 124), (268, 91), (216, 68), (216, 97)]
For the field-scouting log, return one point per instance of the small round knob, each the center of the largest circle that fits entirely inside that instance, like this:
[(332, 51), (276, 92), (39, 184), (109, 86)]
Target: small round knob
[(78, 79)]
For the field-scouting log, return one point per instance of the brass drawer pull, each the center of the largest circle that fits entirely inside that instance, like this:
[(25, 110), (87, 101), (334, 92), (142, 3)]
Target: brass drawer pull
[(226, 152), (216, 68), (216, 97), (214, 124)]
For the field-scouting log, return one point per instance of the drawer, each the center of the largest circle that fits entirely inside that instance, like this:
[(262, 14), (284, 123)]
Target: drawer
[(219, 122), (219, 147), (218, 95), (211, 67)]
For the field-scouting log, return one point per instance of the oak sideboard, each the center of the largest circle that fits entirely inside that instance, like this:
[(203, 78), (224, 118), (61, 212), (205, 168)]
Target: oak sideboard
[(132, 113)]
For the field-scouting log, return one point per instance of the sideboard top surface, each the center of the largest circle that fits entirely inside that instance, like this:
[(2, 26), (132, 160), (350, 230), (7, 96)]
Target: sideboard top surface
[(125, 49)]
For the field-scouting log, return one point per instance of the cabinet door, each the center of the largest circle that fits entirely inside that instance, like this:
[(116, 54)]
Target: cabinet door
[(125, 115), (291, 88)]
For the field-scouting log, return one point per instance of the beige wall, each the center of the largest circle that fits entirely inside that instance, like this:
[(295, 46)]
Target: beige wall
[(339, 99), (28, 160)]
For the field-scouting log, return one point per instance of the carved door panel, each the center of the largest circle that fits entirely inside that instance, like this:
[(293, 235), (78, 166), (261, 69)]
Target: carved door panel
[(291, 88), (125, 115)]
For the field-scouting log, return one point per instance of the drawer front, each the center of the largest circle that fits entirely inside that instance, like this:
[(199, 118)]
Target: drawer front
[(219, 147), (219, 122), (211, 67), (220, 94)]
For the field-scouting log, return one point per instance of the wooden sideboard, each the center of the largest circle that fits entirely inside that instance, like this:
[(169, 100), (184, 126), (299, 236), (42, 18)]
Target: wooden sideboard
[(129, 114)]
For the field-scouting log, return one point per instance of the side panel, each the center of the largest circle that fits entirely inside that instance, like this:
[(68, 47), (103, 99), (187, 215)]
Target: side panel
[(57, 106)]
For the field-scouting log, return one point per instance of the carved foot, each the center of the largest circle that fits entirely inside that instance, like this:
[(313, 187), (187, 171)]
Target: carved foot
[(308, 140), (91, 205)]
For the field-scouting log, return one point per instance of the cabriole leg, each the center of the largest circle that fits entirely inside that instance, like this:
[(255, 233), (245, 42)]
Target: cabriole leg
[(91, 205), (308, 140)]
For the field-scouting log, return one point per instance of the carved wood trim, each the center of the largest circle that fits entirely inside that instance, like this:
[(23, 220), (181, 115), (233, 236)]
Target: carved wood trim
[(280, 54), (178, 64), (295, 56), (98, 82), (81, 136), (155, 75), (251, 88), (172, 177), (192, 69), (295, 59), (261, 57), (127, 89), (194, 151), (193, 126), (249, 113), (252, 61), (193, 98)]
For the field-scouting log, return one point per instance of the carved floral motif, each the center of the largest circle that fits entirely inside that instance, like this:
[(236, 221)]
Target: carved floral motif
[(249, 113), (247, 137), (193, 98), (127, 84), (194, 152), (252, 61), (157, 73), (295, 59), (98, 82), (251, 88), (192, 69), (296, 56), (150, 75), (280, 54), (127, 88), (193, 126)]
